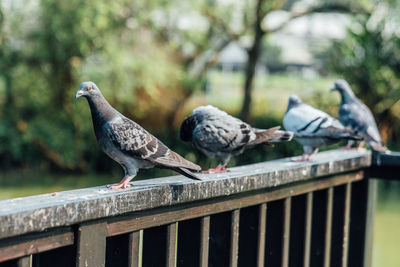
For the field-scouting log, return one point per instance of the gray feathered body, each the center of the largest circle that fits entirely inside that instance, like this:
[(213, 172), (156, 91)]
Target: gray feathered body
[(314, 128), (129, 144), (219, 135), (356, 115)]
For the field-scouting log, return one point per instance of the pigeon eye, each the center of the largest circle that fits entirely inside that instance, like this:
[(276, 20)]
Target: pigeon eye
[(90, 87)]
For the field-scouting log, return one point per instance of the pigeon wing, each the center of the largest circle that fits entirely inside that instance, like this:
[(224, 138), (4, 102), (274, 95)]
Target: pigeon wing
[(222, 135), (133, 140), (357, 116), (306, 121)]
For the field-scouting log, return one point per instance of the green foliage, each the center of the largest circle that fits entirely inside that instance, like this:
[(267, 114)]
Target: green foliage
[(146, 56), (48, 49)]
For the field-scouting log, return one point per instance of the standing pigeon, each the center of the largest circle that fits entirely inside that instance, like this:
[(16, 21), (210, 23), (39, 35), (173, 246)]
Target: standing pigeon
[(128, 143), (356, 115), (219, 135), (313, 128)]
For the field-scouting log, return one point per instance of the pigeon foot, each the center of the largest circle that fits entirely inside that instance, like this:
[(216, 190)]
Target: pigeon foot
[(124, 184), (360, 146), (346, 147), (218, 169), (302, 158)]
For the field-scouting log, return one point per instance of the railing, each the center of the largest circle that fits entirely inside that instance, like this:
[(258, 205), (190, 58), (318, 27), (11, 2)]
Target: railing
[(276, 213)]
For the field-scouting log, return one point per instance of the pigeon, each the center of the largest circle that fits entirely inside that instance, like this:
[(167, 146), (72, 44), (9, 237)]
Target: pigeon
[(219, 135), (357, 116), (313, 128), (127, 142)]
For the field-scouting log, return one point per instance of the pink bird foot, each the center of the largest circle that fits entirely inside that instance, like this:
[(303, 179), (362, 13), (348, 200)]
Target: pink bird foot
[(218, 169), (304, 157), (121, 185)]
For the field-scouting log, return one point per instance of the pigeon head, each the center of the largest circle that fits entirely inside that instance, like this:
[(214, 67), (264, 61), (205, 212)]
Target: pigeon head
[(187, 128), (293, 101), (88, 89), (343, 88)]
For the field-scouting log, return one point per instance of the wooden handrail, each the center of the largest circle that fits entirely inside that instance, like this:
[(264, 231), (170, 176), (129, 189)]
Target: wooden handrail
[(318, 213), (36, 213)]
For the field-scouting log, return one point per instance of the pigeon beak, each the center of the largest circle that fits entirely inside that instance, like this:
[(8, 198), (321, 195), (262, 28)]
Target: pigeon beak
[(79, 94), (333, 88)]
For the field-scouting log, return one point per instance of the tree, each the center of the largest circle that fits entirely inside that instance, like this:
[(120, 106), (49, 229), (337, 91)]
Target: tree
[(262, 9)]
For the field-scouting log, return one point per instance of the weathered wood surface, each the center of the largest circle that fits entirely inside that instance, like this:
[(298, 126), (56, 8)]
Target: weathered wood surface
[(35, 243), (91, 245), (204, 240), (262, 222), (36, 213), (234, 248), (163, 216)]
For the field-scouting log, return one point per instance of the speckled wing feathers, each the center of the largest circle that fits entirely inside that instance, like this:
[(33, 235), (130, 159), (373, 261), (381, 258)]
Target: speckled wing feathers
[(221, 135), (135, 141), (358, 117)]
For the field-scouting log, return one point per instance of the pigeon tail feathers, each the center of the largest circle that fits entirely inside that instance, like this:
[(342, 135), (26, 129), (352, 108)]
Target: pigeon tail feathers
[(187, 173), (342, 133), (181, 162), (272, 135)]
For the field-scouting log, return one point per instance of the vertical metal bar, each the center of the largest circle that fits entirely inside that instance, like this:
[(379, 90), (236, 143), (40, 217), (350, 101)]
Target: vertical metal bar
[(346, 220), (286, 232), (369, 224), (24, 261), (134, 250), (328, 229), (91, 245), (307, 230), (233, 259), (172, 244), (262, 222), (204, 240)]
